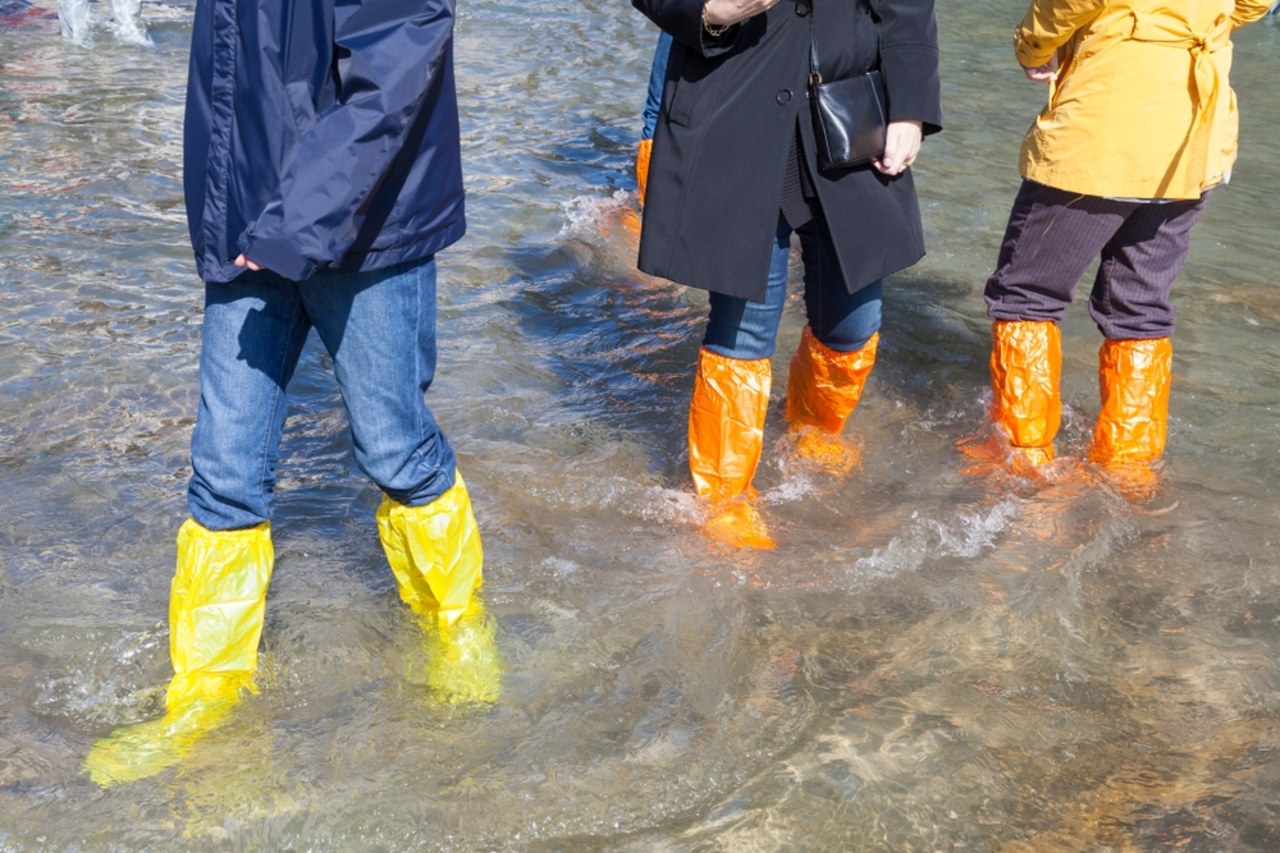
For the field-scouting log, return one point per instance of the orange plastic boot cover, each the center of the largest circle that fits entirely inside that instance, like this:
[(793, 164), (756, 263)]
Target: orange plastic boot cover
[(643, 151), (824, 385), (1134, 378), (726, 423), (1026, 369)]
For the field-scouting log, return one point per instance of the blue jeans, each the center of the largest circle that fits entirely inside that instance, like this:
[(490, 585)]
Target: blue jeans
[(379, 329), (842, 321), (657, 77)]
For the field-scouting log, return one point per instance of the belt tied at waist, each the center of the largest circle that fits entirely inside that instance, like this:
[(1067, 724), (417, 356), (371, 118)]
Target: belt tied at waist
[(1170, 31)]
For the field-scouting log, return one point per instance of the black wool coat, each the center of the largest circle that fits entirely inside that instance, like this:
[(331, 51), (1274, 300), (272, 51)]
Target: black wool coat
[(730, 107)]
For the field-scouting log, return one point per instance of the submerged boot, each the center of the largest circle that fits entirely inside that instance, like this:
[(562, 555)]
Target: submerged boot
[(643, 150), (1134, 378), (1026, 368), (823, 389), (216, 609), (463, 666), (726, 436), (436, 558)]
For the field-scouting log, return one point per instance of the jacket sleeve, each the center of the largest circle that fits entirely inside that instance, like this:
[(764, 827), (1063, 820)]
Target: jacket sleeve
[(1048, 25), (1248, 11), (683, 20), (388, 52), (909, 60)]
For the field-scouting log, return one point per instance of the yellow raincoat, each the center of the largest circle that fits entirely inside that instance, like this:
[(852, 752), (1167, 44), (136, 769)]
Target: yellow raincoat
[(1142, 107)]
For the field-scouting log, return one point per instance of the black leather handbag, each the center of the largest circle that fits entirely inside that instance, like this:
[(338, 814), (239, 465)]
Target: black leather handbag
[(849, 116)]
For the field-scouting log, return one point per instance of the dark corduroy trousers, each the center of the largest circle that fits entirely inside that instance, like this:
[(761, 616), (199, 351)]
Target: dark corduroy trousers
[(1052, 238)]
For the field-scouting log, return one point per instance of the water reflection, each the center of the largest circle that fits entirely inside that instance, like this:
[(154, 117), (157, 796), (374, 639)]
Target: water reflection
[(931, 659)]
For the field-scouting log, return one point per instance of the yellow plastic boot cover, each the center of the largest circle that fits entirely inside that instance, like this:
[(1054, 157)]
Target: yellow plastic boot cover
[(216, 608), (726, 436), (1026, 369), (823, 388), (643, 151), (434, 552), (1134, 377)]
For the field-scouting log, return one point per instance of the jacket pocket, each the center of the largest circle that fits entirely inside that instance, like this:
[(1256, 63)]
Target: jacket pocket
[(689, 83), (679, 94)]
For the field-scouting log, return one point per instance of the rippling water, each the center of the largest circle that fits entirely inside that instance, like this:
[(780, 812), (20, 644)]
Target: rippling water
[(932, 659)]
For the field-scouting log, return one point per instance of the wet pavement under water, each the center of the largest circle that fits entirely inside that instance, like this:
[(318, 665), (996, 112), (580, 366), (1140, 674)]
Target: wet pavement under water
[(934, 658)]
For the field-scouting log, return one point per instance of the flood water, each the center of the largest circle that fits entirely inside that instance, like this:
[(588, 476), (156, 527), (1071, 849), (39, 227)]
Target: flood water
[(934, 658)]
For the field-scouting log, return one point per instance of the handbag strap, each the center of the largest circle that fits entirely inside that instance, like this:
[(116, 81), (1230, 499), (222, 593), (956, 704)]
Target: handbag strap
[(815, 74)]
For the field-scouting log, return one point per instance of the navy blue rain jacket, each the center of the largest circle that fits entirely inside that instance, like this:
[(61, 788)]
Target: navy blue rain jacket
[(321, 135)]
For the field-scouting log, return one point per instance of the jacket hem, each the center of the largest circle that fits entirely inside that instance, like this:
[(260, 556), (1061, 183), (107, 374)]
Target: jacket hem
[(213, 271)]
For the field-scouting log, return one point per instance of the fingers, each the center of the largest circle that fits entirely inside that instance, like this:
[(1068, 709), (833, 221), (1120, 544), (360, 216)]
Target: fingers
[(901, 147), (755, 7), (1042, 73), (728, 12)]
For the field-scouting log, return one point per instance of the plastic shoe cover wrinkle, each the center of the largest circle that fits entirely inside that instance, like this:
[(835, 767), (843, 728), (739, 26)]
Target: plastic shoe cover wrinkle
[(726, 437), (217, 604), (825, 385), (726, 423), (434, 552), (1134, 377), (216, 608), (1026, 371), (643, 151)]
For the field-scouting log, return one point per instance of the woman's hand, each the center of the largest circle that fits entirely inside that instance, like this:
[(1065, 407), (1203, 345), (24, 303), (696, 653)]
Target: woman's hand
[(1043, 73), (1046, 73), (723, 13), (901, 145)]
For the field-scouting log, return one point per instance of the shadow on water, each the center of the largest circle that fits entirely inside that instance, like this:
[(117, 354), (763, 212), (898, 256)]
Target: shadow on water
[(932, 659)]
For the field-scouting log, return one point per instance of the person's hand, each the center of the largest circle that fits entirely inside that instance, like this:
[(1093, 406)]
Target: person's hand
[(1043, 73), (245, 263), (901, 145), (723, 13)]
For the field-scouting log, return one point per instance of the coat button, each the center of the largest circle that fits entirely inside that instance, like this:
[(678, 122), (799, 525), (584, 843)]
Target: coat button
[(783, 96), (802, 9)]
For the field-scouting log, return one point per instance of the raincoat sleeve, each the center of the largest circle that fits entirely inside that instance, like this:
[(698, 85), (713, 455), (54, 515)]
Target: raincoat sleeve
[(388, 54), (1048, 25), (909, 60), (683, 20), (1248, 11)]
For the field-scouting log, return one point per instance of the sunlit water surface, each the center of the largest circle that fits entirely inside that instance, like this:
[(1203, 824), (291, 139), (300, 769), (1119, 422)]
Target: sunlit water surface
[(934, 658)]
